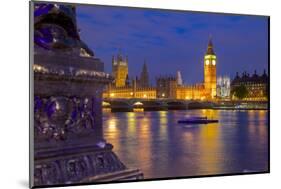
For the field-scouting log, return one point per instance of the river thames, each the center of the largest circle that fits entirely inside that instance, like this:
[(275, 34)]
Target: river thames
[(160, 147)]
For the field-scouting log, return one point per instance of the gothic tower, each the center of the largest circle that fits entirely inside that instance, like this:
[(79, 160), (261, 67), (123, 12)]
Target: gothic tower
[(210, 75), (144, 79), (120, 70), (179, 79)]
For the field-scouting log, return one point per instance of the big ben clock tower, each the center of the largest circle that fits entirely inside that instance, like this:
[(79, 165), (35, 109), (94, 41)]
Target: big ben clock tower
[(210, 75)]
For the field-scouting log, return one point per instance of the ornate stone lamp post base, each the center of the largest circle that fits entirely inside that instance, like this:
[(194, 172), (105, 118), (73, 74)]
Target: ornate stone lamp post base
[(68, 136)]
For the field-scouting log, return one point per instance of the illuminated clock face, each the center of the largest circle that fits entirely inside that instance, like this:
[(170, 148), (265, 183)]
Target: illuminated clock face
[(207, 62), (213, 62)]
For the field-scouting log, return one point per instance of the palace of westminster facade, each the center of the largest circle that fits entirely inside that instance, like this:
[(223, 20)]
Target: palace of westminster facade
[(171, 87)]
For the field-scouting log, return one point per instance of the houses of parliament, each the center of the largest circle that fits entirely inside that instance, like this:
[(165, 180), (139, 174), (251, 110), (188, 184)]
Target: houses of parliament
[(170, 87)]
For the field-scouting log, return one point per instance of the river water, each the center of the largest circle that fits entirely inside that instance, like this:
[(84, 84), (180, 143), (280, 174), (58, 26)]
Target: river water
[(160, 147)]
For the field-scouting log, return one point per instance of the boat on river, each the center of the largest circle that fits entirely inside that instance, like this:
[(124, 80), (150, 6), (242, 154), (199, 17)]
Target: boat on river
[(198, 120)]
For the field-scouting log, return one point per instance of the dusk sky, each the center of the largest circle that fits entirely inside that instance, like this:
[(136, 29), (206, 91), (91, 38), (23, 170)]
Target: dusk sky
[(173, 40)]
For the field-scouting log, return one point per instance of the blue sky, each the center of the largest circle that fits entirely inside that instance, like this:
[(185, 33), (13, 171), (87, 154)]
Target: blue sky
[(174, 40)]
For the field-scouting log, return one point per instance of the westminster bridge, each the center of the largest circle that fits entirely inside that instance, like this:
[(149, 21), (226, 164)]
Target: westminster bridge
[(121, 104), (135, 104)]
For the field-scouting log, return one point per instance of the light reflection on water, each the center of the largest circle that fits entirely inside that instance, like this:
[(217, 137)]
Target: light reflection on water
[(155, 143)]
